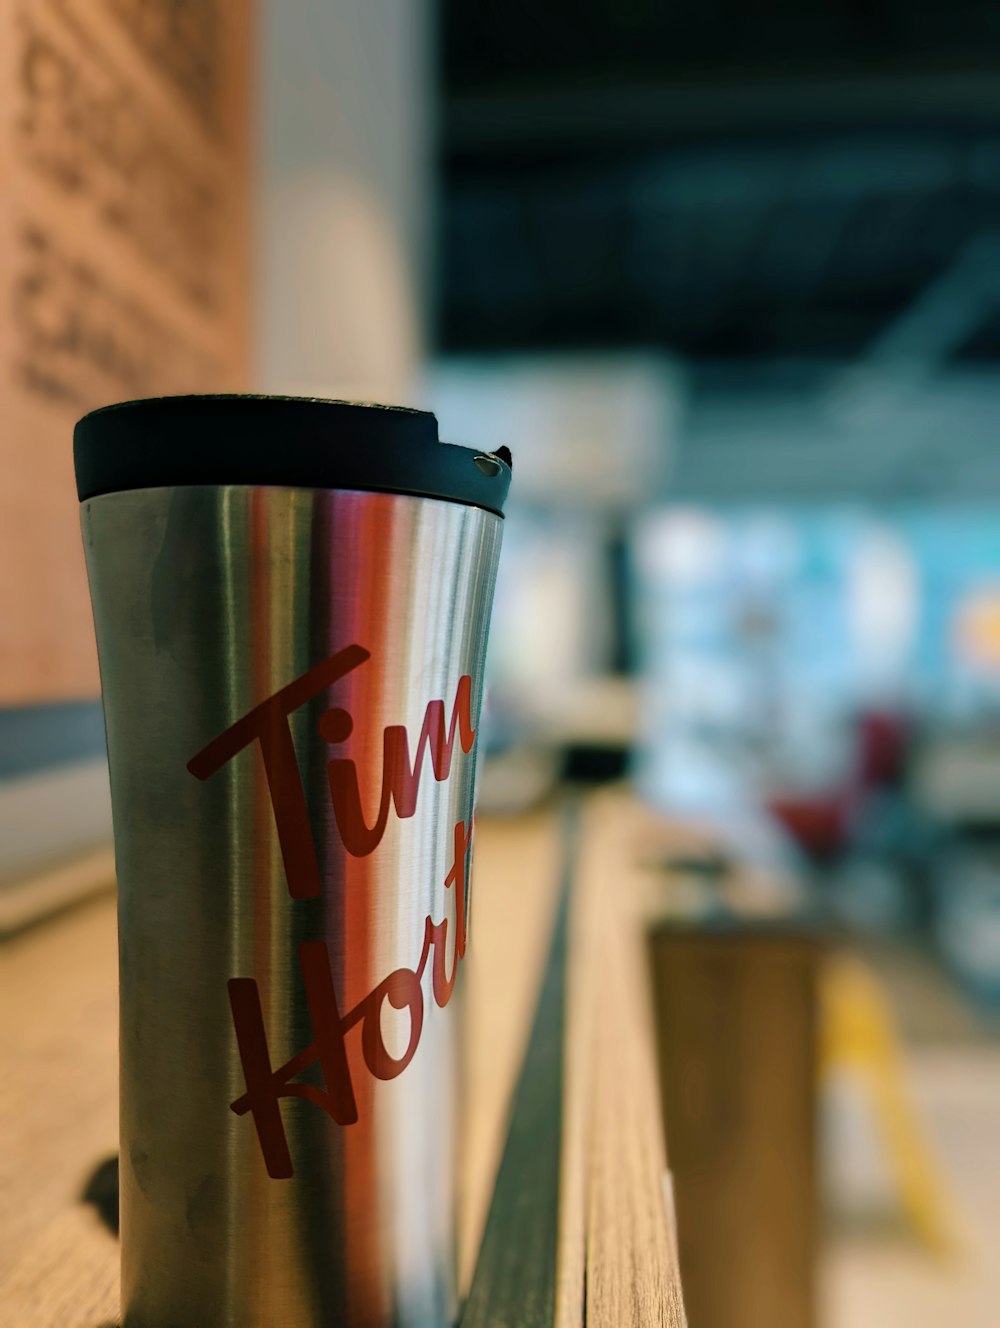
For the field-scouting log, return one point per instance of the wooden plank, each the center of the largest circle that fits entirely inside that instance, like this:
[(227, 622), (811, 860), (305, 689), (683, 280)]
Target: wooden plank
[(124, 263), (514, 1285), (611, 1255), (58, 1073), (58, 1118), (571, 1237), (516, 877), (581, 1226), (632, 1275)]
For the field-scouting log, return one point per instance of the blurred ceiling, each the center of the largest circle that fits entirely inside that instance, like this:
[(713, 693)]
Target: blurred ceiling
[(767, 179)]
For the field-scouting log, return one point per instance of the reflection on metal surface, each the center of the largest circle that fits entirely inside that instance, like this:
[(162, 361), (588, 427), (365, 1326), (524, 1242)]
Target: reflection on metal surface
[(316, 659)]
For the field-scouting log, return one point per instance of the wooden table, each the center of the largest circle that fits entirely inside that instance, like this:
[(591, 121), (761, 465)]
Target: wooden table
[(58, 1096), (58, 1118), (58, 1092)]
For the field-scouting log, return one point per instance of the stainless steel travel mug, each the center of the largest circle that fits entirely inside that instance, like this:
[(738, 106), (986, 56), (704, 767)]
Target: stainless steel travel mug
[(291, 600)]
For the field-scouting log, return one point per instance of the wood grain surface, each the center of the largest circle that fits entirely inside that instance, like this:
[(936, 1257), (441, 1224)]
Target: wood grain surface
[(58, 1119), (58, 1108), (518, 865), (632, 1274), (124, 261), (613, 1248), (737, 1030), (514, 1280), (58, 1074), (581, 1225)]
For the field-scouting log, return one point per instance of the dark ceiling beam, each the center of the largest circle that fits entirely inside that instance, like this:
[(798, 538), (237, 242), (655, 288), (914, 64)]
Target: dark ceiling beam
[(526, 121)]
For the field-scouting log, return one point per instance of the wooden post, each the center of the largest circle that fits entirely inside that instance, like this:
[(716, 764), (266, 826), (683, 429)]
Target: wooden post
[(736, 1032)]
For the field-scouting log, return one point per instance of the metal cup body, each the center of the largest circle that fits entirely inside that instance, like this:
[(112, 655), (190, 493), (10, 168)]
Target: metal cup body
[(292, 681)]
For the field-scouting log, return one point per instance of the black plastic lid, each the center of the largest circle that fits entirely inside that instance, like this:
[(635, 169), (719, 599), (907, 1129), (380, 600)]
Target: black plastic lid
[(291, 442)]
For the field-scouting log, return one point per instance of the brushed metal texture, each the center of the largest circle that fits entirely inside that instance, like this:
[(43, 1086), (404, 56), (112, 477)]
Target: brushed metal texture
[(292, 679)]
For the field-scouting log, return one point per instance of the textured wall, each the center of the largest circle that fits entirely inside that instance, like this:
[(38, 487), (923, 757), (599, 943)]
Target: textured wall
[(124, 227)]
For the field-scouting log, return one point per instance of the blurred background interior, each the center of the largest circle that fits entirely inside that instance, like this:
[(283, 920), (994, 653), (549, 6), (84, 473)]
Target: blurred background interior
[(726, 279)]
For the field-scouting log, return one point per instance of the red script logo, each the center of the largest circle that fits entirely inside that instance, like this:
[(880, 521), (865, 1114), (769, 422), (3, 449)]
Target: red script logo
[(268, 725)]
